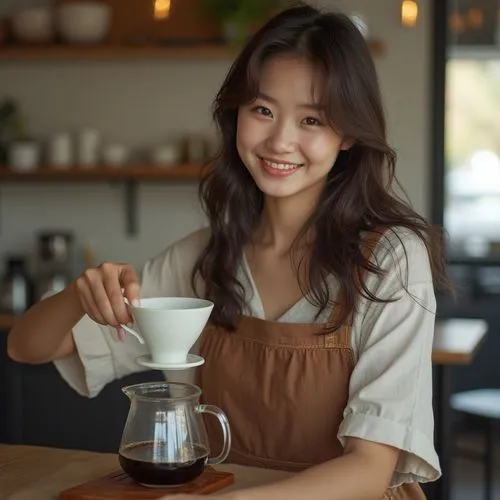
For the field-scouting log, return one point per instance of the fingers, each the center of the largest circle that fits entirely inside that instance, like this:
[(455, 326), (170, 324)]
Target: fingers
[(113, 288), (130, 282), (87, 300), (100, 291), (101, 300), (121, 334)]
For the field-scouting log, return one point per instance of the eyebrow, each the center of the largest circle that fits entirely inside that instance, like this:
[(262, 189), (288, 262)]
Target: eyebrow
[(307, 105)]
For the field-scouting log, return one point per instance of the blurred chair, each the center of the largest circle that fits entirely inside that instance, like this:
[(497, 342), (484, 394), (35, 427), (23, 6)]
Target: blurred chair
[(483, 404)]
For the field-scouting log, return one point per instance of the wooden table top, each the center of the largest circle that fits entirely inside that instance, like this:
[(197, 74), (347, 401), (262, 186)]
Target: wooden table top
[(38, 473), (456, 341)]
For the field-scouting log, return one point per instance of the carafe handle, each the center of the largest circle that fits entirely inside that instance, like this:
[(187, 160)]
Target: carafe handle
[(226, 431)]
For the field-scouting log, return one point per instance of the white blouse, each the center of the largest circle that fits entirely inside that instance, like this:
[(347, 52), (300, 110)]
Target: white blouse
[(390, 391)]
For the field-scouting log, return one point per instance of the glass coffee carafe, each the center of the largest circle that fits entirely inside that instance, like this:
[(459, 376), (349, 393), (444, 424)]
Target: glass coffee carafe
[(164, 442)]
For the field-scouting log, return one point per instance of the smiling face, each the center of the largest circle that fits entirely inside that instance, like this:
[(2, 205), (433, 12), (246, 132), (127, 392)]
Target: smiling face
[(283, 136)]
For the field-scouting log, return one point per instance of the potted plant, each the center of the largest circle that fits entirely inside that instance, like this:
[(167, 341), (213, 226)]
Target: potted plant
[(23, 149), (236, 17)]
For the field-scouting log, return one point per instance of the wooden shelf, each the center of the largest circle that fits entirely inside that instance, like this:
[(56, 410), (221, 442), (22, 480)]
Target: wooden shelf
[(129, 175), (191, 172), (125, 52), (112, 52)]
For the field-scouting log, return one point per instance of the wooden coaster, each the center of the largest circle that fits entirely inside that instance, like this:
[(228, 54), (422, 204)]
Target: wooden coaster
[(120, 485)]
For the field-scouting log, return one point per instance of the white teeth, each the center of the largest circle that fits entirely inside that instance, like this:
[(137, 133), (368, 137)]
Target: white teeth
[(281, 166)]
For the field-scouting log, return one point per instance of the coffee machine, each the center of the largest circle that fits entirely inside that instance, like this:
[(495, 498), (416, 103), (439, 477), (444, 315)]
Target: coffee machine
[(54, 261), (16, 286)]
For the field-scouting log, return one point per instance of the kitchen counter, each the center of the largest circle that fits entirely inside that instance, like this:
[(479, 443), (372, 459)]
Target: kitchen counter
[(40, 473)]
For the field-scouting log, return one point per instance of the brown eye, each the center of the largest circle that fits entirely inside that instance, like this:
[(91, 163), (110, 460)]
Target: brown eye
[(311, 121), (261, 110)]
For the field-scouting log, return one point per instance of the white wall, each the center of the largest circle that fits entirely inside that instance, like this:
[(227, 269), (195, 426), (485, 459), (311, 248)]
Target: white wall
[(140, 102)]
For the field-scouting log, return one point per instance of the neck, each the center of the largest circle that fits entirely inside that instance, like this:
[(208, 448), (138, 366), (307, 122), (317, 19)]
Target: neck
[(282, 220)]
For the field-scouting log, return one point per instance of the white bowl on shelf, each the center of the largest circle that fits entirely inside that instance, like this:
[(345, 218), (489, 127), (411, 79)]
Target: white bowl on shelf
[(33, 25), (115, 155), (83, 22)]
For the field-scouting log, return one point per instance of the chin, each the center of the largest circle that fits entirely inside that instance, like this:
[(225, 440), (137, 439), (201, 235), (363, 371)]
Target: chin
[(279, 193), (275, 189)]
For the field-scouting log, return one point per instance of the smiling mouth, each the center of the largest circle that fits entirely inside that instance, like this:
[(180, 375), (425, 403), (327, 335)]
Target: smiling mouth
[(280, 166)]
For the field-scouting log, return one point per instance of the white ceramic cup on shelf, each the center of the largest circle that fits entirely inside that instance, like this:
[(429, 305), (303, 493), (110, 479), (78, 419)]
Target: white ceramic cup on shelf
[(169, 326), (24, 156), (83, 22), (33, 24), (60, 151)]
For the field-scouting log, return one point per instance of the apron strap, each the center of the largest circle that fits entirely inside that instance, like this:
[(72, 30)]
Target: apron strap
[(339, 338)]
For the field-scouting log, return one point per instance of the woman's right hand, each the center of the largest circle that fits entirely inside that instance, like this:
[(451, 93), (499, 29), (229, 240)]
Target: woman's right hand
[(100, 292)]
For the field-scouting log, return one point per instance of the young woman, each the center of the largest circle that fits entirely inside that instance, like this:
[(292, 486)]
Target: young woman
[(319, 344)]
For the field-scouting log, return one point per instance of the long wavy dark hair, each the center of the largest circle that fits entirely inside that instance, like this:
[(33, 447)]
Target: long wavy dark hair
[(358, 194)]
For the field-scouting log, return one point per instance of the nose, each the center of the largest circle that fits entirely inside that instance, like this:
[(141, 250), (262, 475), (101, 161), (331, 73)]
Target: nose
[(282, 138)]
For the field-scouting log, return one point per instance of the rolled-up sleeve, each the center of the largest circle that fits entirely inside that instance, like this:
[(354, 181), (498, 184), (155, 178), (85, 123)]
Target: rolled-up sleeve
[(390, 393), (99, 359)]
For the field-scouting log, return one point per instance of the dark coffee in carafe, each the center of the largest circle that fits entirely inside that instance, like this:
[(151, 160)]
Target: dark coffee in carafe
[(146, 463)]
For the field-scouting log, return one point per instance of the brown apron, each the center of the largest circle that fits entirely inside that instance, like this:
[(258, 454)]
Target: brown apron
[(284, 389)]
